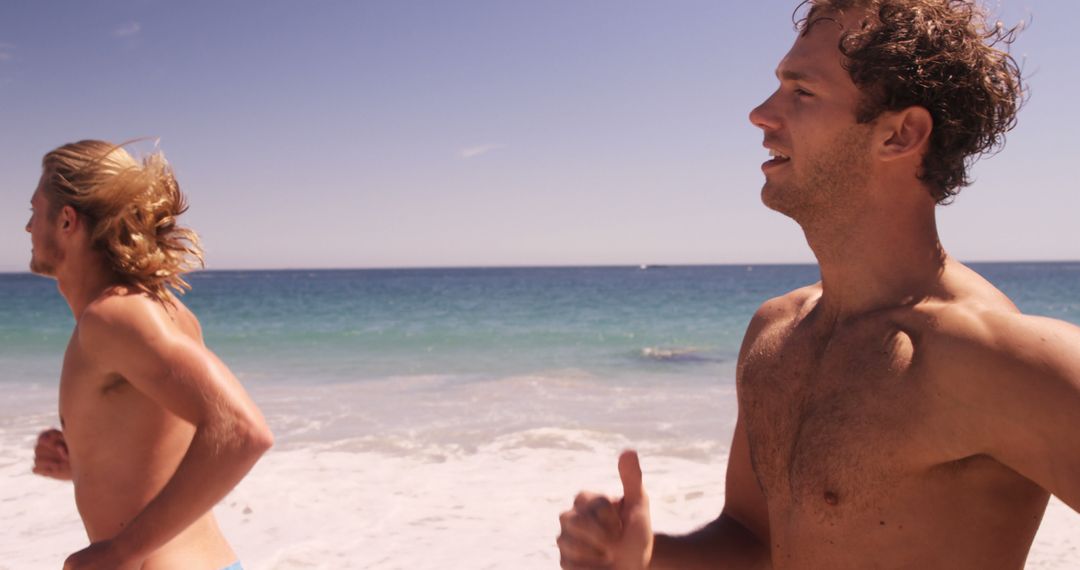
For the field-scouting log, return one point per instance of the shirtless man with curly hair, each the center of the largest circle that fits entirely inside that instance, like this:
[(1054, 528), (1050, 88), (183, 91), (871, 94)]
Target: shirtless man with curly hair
[(901, 412), (155, 429)]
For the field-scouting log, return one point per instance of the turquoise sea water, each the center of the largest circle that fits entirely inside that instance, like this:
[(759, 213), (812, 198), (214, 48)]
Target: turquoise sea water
[(354, 325), (460, 356)]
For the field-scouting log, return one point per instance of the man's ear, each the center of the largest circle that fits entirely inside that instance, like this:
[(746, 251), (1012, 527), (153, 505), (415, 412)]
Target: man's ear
[(905, 133), (69, 220)]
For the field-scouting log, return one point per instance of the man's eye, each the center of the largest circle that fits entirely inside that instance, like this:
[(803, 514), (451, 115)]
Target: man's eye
[(803, 93)]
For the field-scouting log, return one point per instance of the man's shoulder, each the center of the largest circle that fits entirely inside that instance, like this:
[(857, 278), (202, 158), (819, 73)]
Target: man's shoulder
[(121, 314), (1000, 379), (120, 308), (978, 336), (779, 312), (965, 310), (788, 306)]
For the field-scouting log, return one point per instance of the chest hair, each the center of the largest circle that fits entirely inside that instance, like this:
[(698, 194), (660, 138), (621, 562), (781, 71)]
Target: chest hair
[(828, 417)]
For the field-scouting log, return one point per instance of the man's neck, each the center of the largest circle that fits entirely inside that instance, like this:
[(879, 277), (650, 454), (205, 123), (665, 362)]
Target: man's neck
[(877, 258), (82, 279)]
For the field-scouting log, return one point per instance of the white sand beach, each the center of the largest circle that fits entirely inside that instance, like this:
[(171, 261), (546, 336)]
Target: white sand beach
[(331, 507)]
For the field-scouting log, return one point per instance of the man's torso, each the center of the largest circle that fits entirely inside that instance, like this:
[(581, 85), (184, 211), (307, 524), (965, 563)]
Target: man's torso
[(857, 453), (124, 448)]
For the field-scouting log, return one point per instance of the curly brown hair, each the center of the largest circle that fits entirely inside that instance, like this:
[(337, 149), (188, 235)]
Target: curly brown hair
[(941, 55), (131, 209)]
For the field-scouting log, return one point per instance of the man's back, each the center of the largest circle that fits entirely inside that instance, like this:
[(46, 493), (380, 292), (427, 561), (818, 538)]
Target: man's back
[(124, 446), (864, 457)]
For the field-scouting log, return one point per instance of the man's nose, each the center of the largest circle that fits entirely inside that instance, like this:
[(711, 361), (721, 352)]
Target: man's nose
[(764, 115)]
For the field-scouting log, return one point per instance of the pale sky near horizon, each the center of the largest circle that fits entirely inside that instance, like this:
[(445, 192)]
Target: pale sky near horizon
[(409, 133)]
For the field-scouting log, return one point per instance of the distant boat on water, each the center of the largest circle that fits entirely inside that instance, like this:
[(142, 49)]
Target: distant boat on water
[(644, 267)]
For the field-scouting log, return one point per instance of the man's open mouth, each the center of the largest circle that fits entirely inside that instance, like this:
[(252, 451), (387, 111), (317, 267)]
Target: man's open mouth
[(777, 159)]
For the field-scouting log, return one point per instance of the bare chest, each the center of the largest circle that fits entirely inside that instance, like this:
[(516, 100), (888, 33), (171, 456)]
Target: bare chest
[(84, 387), (831, 422), (80, 387), (102, 413), (123, 445)]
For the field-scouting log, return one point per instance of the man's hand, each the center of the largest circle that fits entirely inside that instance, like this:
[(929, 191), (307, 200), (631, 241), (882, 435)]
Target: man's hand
[(51, 455), (599, 533), (102, 555)]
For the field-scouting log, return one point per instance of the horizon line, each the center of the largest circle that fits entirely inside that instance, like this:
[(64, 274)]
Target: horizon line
[(569, 266)]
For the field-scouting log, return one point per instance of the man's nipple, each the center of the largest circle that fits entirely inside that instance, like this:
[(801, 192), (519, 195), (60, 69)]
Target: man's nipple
[(832, 498)]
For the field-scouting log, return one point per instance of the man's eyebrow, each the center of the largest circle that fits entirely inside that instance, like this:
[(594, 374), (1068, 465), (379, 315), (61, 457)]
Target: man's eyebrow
[(790, 75)]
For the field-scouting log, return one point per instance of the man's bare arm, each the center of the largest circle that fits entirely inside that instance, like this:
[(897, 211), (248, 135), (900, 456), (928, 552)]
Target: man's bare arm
[(133, 337), (1020, 394), (738, 538)]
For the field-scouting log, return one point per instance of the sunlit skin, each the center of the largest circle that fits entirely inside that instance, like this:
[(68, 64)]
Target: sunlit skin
[(901, 413), (43, 250), (155, 429)]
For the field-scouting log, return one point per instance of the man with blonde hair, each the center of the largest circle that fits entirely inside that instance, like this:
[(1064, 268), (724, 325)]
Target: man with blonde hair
[(155, 430), (901, 412)]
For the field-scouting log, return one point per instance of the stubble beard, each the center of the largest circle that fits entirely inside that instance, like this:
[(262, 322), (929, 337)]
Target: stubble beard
[(831, 182), (43, 260)]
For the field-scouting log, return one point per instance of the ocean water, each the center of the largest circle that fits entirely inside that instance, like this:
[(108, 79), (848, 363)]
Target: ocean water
[(623, 323), (438, 403), (326, 326), (541, 340)]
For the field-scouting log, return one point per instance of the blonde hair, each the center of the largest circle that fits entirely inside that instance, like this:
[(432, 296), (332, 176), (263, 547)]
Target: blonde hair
[(130, 210)]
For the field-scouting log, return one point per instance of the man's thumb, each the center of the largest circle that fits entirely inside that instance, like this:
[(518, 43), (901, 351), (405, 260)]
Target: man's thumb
[(630, 473)]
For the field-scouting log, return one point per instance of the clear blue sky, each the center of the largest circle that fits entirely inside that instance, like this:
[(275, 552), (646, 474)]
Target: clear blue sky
[(398, 133)]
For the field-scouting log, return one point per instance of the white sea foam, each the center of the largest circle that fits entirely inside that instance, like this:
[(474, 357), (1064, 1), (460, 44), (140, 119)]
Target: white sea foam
[(436, 472), (318, 507), (674, 354)]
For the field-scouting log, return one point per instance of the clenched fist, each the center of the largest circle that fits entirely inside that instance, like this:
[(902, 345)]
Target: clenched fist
[(51, 455)]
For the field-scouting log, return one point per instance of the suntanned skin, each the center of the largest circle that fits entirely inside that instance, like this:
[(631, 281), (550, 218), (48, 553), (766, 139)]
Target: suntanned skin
[(901, 413), (156, 430)]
